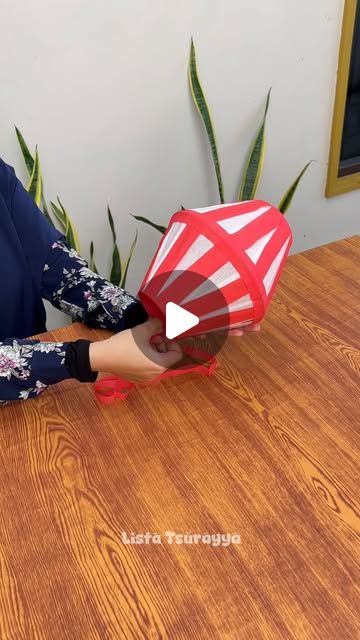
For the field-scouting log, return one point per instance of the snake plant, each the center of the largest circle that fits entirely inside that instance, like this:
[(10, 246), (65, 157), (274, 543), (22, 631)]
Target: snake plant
[(254, 164), (119, 268), (199, 99)]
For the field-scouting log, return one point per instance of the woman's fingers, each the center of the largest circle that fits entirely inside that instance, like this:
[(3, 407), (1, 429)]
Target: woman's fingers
[(161, 347), (235, 332), (253, 327), (172, 355), (238, 331)]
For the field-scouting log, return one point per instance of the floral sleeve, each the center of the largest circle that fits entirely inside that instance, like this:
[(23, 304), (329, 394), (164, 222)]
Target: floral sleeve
[(27, 367), (72, 287)]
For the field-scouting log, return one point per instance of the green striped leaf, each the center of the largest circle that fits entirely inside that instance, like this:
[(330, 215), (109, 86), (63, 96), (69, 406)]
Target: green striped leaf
[(116, 271), (92, 264), (46, 211), (255, 162), (204, 111), (34, 186), (29, 160), (71, 233), (158, 227), (59, 215), (287, 198), (126, 264)]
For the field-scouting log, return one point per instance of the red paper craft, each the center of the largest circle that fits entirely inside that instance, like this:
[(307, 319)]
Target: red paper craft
[(241, 248)]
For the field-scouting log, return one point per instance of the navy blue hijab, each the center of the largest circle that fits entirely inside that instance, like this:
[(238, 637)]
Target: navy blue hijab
[(25, 240)]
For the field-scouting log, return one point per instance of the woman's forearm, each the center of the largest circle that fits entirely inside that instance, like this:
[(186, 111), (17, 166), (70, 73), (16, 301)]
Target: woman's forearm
[(28, 367), (72, 287)]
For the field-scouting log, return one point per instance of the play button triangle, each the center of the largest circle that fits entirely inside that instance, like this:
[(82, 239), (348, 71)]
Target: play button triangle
[(178, 320)]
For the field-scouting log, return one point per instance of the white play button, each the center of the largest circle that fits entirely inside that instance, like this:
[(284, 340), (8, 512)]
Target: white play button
[(178, 320)]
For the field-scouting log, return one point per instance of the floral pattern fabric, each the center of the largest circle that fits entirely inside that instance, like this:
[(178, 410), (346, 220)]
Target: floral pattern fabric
[(72, 287), (27, 367)]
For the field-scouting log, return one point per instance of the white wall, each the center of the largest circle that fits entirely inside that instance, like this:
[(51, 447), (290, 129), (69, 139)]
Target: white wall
[(101, 87)]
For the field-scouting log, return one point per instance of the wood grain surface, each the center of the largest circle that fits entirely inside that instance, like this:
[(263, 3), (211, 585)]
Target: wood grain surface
[(267, 448)]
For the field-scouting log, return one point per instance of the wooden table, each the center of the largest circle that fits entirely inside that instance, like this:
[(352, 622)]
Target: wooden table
[(268, 448)]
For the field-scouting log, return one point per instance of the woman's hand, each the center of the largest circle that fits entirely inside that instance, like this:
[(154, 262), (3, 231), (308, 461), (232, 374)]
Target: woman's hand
[(135, 354), (239, 331)]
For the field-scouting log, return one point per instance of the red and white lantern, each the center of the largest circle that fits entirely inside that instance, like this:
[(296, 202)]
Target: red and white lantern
[(239, 248)]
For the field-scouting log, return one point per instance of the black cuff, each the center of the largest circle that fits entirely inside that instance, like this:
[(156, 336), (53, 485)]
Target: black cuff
[(77, 361), (135, 315)]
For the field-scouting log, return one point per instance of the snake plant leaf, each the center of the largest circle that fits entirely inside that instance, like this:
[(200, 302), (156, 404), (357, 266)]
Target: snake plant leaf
[(126, 264), (204, 111), (92, 264), (116, 270), (28, 158), (287, 198), (59, 215), (29, 162), (34, 186), (158, 227), (71, 233), (255, 162), (46, 212)]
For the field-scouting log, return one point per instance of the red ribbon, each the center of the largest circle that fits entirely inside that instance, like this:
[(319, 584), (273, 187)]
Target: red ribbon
[(113, 388)]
